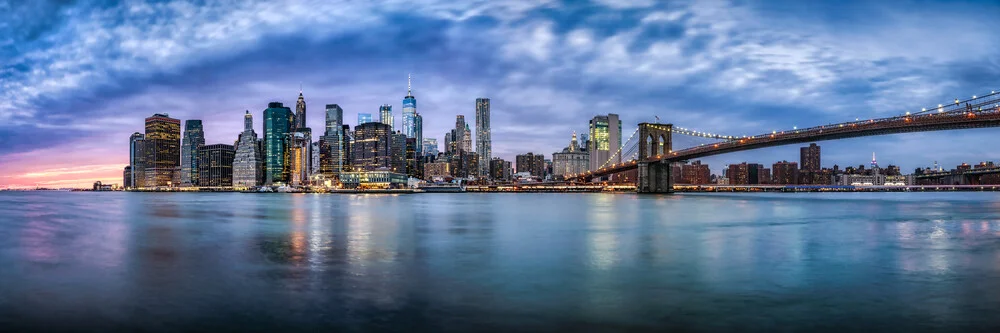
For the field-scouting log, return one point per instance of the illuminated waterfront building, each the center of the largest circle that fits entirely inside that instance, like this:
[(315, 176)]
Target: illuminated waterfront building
[(299, 156), (437, 169), (278, 121), (127, 176), (333, 157), (162, 149), (605, 140), (376, 179), (247, 171), (409, 111), (484, 145), (137, 160), (572, 160), (500, 169), (385, 116), (194, 138), (371, 147), (215, 165), (412, 162)]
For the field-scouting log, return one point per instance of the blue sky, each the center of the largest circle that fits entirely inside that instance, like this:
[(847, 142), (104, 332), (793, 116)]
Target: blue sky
[(78, 77)]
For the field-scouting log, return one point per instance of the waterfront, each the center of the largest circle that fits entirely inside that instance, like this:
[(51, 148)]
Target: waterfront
[(515, 262)]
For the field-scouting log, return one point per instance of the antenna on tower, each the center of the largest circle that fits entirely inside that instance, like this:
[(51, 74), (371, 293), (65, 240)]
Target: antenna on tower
[(408, 86), (300, 87)]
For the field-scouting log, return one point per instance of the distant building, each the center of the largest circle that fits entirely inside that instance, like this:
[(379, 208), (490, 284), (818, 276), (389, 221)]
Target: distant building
[(744, 173), (385, 116), (437, 169), (531, 163), (695, 173), (605, 140), (412, 162), (371, 147), (162, 149), (215, 165), (298, 144), (409, 112), (500, 169), (430, 146), (247, 171), (785, 173), (397, 153), (300, 113), (378, 179), (278, 122), (137, 161), (418, 133), (364, 118), (333, 157), (809, 157), (127, 176), (484, 144), (572, 160), (194, 138)]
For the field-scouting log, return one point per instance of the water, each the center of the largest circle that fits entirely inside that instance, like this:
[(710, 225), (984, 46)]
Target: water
[(506, 262)]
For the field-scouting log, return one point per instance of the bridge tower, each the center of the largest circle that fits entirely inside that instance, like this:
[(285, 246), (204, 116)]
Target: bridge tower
[(654, 175)]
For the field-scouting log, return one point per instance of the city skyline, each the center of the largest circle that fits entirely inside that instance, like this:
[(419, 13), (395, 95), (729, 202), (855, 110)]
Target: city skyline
[(806, 75)]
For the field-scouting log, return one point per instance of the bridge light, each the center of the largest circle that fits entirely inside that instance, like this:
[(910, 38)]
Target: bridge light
[(795, 127), (956, 101), (923, 109), (973, 96), (907, 113)]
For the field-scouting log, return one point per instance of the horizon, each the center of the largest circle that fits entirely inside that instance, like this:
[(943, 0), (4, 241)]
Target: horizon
[(83, 76)]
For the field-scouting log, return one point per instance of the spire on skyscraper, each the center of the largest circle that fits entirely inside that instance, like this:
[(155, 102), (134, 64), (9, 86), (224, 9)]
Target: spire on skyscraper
[(408, 86)]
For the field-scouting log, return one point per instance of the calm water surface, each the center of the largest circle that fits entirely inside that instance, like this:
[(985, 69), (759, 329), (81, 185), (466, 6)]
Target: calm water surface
[(499, 262)]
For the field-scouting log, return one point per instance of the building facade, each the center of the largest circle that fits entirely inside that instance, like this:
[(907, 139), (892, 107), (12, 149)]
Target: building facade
[(500, 170), (605, 140), (785, 173), (194, 138), (409, 111), (531, 163), (215, 165), (278, 122), (430, 147), (484, 144), (437, 169), (371, 147), (162, 149), (696, 173), (137, 160), (300, 112), (334, 137), (385, 116), (364, 118), (572, 160), (809, 157), (247, 172)]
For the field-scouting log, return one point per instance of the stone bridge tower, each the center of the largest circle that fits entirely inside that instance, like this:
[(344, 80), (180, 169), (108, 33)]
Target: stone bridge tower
[(654, 175)]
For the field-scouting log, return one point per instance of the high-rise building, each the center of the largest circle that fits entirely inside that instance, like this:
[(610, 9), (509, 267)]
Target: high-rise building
[(572, 160), (162, 149), (695, 173), (745, 173), (315, 156), (430, 146), (278, 121), (137, 160), (364, 118), (409, 111), (531, 163), (397, 151), (334, 137), (785, 173), (809, 157), (300, 112), (412, 162), (500, 169), (371, 147), (418, 133), (127, 176), (605, 141), (385, 116), (437, 169), (247, 170), (299, 157), (484, 145), (194, 137), (467, 140), (215, 165), (458, 135)]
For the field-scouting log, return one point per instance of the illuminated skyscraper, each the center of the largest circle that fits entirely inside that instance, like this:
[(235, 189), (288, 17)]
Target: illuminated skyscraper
[(364, 118), (278, 121), (246, 163), (430, 146), (409, 111), (194, 138), (137, 160), (484, 145), (371, 148), (418, 133), (385, 116), (605, 140), (162, 149), (334, 139), (300, 112), (215, 165), (809, 158)]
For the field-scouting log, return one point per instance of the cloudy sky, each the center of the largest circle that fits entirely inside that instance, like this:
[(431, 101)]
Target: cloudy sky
[(77, 77)]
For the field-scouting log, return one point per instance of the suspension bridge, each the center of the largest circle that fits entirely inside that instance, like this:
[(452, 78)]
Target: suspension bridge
[(649, 151)]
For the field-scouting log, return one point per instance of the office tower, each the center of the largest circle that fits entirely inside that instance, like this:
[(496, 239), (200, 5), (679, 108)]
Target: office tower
[(345, 147), (458, 135), (785, 173), (467, 139), (299, 157), (162, 149), (247, 172), (449, 146), (484, 145), (418, 133), (809, 157), (278, 121), (385, 116), (364, 118), (137, 160), (215, 165), (194, 137), (412, 162), (315, 156), (370, 149), (572, 160), (531, 163), (605, 141), (397, 149), (500, 169), (127, 177), (300, 112), (409, 111), (430, 147), (334, 137)]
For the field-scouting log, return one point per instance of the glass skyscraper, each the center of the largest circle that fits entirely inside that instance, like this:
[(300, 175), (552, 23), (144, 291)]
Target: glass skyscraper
[(162, 149), (418, 133), (246, 164), (333, 137), (364, 118), (194, 139), (605, 140), (484, 145), (385, 116), (278, 122), (409, 112)]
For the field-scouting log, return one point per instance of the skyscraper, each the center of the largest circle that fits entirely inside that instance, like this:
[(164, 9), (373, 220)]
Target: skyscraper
[(194, 138), (371, 148), (809, 157), (300, 112), (605, 140), (278, 121), (484, 145), (458, 136), (397, 151), (299, 157), (364, 118), (246, 163), (531, 163), (418, 133), (430, 146), (409, 111), (162, 149), (137, 160), (215, 165), (385, 116), (572, 160), (334, 138), (467, 140)]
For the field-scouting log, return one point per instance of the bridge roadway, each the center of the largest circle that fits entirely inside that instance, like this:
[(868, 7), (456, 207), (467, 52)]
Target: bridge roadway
[(974, 113)]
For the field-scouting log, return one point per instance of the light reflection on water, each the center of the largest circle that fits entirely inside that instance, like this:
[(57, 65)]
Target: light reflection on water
[(225, 261)]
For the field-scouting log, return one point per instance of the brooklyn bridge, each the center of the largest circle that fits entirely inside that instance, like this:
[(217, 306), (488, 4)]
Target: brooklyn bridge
[(649, 149)]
